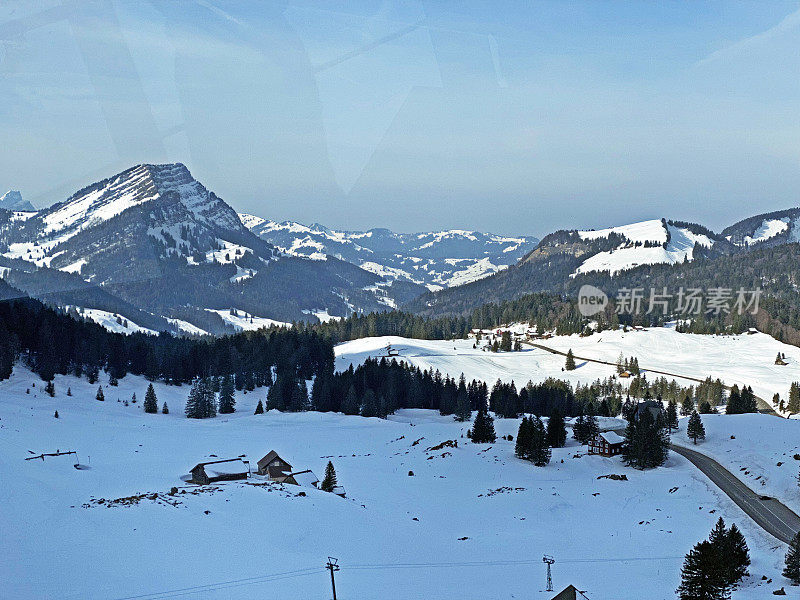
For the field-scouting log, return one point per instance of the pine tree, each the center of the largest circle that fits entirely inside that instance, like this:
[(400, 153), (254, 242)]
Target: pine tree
[(570, 363), (483, 428), (369, 407), (69, 391), (193, 401), (227, 402), (505, 341), (695, 430), (276, 396), (463, 407), (150, 400), (647, 443), (55, 414), (672, 415), (112, 380), (165, 409), (556, 430), (100, 396), (687, 406), (523, 443), (259, 408), (321, 397), (201, 403), (50, 389), (705, 408), (351, 405), (702, 575), (793, 405), (749, 402), (539, 448), (736, 555), (298, 398), (792, 570), (579, 429), (585, 428), (329, 482)]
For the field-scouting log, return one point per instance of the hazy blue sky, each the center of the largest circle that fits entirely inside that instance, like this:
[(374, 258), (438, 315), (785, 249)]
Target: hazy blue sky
[(515, 117)]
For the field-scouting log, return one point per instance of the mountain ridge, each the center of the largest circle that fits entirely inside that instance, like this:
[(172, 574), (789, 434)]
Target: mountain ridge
[(435, 259)]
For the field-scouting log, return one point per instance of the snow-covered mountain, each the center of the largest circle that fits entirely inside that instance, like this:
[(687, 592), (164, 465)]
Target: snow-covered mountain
[(154, 238), (433, 259), (769, 229), (646, 243), (12, 200), (566, 256)]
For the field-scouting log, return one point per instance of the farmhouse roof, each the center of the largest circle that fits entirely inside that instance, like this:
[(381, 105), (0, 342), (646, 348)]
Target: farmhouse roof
[(228, 465), (612, 437)]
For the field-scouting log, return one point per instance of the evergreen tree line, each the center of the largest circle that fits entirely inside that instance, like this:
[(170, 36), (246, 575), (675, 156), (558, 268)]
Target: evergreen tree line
[(545, 311), (50, 342)]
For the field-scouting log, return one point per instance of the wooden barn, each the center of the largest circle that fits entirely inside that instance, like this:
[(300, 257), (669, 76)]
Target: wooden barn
[(606, 443), (274, 467), (220, 470)]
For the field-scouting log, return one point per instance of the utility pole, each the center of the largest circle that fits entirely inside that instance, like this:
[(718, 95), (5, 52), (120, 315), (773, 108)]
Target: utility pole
[(333, 566), (548, 560)]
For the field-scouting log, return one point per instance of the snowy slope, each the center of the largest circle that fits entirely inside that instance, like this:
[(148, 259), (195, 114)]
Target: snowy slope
[(778, 227), (243, 321), (472, 522), (627, 255), (434, 259), (113, 322)]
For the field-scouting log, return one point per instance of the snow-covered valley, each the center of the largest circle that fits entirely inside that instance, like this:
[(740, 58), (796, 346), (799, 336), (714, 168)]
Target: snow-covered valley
[(468, 518)]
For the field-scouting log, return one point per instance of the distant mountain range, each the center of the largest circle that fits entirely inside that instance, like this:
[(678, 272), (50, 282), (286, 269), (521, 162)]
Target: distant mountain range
[(433, 259), (152, 248), (630, 255)]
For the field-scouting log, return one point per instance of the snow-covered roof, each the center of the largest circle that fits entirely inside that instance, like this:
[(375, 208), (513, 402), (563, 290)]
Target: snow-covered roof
[(612, 437), (305, 478), (224, 467)]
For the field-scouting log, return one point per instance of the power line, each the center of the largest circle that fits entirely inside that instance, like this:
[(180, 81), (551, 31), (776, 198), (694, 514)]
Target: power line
[(225, 584), (490, 563), (175, 593)]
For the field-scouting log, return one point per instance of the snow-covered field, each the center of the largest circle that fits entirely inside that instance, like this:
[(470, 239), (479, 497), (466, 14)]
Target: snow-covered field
[(243, 321), (109, 321), (735, 359), (473, 521), (759, 449), (740, 359)]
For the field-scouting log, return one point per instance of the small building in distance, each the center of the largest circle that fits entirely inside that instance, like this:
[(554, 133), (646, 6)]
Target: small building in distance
[(274, 467), (570, 593), (220, 470), (302, 478), (606, 443)]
